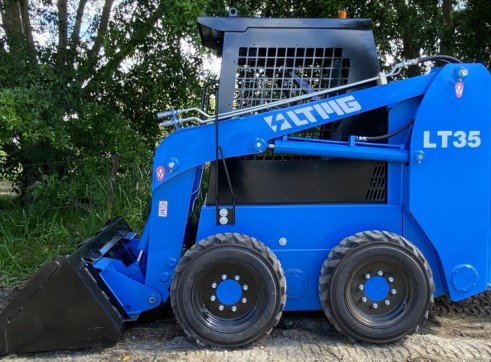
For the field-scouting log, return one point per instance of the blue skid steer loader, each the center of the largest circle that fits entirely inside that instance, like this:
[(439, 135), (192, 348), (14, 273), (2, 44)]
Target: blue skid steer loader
[(308, 180)]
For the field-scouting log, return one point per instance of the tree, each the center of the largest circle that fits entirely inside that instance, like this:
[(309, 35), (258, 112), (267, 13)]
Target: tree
[(473, 31), (81, 80)]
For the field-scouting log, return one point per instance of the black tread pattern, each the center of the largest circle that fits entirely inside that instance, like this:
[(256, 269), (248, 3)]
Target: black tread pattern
[(349, 244), (235, 239)]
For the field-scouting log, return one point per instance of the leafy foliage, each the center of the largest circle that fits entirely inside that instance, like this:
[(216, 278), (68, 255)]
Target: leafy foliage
[(83, 81)]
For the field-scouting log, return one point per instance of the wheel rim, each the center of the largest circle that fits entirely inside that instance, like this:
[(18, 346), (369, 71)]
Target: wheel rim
[(228, 295), (380, 292)]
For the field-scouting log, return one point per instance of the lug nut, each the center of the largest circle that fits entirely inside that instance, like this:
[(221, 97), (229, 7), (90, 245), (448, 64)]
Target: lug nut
[(375, 305), (237, 278), (393, 292), (364, 299), (213, 298), (245, 287), (391, 279), (361, 287), (387, 302), (367, 276), (234, 308), (224, 276), (380, 273), (213, 285), (220, 307), (244, 300)]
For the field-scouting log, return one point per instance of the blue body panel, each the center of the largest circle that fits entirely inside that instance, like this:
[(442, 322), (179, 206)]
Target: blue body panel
[(311, 231), (449, 191), (438, 188)]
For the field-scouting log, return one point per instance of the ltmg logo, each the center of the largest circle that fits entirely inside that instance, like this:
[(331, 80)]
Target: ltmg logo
[(310, 114)]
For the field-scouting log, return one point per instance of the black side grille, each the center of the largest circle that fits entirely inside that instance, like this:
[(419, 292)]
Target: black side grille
[(378, 183)]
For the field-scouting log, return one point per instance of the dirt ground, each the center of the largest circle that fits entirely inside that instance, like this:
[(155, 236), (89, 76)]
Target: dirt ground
[(454, 332)]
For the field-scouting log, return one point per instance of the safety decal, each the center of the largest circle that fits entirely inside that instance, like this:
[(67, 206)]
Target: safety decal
[(163, 208), (459, 89), (160, 173)]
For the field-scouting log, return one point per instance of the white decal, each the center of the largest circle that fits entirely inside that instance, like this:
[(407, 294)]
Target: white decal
[(163, 208), (456, 139), (160, 173), (311, 114), (459, 89)]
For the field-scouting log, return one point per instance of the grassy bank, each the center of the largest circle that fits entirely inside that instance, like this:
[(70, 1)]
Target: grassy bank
[(34, 234)]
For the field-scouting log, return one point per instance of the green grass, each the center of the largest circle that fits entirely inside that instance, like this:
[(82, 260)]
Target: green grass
[(35, 234)]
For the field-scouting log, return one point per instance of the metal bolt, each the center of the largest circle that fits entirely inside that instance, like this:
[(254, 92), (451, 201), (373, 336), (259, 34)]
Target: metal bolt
[(391, 279), (223, 212), (364, 299), (244, 300), (387, 302), (282, 241), (375, 305), (367, 276), (223, 220), (237, 278), (380, 273), (245, 287), (463, 72), (213, 298), (393, 292), (213, 285), (220, 307), (152, 300), (234, 308), (224, 276), (258, 145), (361, 287)]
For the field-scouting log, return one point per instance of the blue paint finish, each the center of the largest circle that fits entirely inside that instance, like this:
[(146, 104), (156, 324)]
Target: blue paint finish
[(376, 288), (168, 226), (449, 191), (310, 231), (413, 232), (133, 296), (440, 202), (364, 151), (194, 146), (229, 292)]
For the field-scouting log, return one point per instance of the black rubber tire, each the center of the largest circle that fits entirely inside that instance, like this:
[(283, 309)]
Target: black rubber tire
[(203, 265), (357, 259)]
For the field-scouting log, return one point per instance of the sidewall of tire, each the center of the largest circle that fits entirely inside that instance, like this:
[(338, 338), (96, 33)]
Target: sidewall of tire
[(261, 323), (402, 325)]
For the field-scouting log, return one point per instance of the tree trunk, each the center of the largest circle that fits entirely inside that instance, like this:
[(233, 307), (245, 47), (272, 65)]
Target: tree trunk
[(17, 26), (62, 34), (447, 41)]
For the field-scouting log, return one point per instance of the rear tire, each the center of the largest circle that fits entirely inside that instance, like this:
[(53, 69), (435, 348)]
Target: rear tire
[(375, 286), (228, 290)]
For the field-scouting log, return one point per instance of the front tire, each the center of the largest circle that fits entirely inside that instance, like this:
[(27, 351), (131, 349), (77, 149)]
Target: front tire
[(376, 287), (228, 290)]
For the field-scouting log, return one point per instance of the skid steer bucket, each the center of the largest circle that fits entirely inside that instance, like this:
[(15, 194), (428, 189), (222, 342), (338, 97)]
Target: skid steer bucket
[(66, 304)]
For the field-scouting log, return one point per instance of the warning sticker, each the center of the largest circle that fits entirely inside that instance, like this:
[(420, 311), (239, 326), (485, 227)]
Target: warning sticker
[(160, 173), (163, 208), (459, 89)]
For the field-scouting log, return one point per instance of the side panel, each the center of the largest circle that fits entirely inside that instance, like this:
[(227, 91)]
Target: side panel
[(302, 235), (171, 202), (450, 175)]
